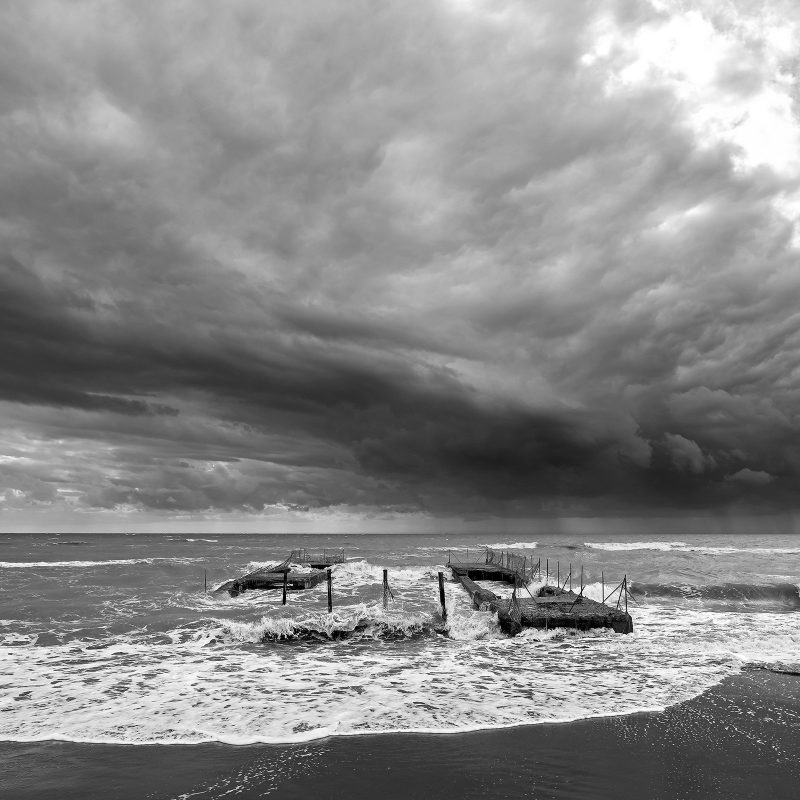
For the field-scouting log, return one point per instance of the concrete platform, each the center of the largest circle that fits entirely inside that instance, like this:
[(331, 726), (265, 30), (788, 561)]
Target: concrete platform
[(263, 579), (552, 607)]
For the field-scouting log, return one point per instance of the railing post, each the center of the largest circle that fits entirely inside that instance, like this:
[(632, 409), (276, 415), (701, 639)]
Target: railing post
[(330, 591), (285, 581), (441, 596)]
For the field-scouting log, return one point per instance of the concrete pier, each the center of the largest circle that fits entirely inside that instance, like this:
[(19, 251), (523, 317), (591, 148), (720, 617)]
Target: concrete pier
[(273, 577), (551, 607)]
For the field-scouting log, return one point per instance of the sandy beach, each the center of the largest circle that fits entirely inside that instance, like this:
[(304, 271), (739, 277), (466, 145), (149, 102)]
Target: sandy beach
[(722, 744)]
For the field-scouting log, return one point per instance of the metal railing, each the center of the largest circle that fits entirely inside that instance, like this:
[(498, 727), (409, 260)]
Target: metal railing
[(324, 556)]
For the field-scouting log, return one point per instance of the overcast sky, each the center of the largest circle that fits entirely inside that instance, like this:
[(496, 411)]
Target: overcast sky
[(398, 265)]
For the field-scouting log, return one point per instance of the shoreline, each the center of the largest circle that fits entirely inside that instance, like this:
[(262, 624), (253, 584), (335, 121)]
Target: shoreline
[(736, 740)]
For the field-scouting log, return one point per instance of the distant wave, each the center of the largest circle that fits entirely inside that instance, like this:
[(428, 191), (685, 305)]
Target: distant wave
[(785, 593), (636, 545), (514, 546), (202, 540), (691, 548), (36, 564)]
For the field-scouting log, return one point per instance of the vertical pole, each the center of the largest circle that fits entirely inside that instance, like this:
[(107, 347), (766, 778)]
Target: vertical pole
[(386, 588), (441, 596), (581, 580), (602, 587), (548, 571), (448, 558), (486, 554), (625, 580), (570, 576), (205, 580), (330, 592), (558, 573), (285, 581), (524, 567)]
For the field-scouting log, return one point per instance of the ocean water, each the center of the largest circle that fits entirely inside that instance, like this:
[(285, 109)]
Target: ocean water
[(112, 639)]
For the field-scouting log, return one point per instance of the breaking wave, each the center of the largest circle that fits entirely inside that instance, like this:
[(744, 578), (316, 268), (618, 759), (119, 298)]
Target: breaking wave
[(110, 562), (353, 622), (636, 545), (784, 593), (691, 548)]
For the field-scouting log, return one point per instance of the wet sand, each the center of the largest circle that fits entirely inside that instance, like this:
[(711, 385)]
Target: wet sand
[(741, 739)]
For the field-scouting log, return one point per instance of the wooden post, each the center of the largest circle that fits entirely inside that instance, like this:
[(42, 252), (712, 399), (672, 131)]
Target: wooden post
[(330, 592), (581, 580), (386, 588), (441, 596), (285, 581), (205, 580), (625, 581), (547, 564), (602, 587), (570, 576), (448, 558)]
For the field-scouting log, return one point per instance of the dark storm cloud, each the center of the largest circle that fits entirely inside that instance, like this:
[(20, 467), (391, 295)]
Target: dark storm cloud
[(340, 254)]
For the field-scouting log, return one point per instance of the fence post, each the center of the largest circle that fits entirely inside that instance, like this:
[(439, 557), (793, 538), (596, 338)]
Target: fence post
[(386, 588), (330, 591), (441, 596), (285, 581)]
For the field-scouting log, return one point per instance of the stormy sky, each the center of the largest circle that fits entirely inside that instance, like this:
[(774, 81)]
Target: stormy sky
[(361, 265)]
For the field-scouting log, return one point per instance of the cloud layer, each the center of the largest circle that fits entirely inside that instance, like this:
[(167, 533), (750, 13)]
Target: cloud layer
[(457, 258)]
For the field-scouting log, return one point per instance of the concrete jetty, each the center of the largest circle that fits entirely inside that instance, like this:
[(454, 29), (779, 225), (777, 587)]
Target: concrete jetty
[(550, 607), (312, 571)]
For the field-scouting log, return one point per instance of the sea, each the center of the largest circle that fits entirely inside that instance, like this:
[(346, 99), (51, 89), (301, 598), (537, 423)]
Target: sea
[(120, 638)]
